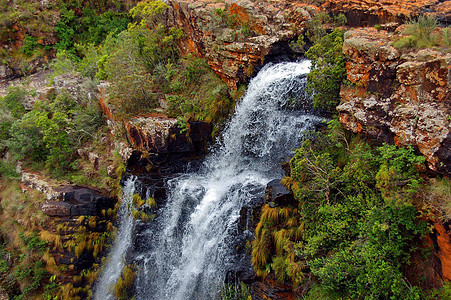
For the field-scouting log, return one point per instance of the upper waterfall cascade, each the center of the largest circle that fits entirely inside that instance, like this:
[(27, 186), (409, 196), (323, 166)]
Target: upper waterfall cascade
[(187, 250)]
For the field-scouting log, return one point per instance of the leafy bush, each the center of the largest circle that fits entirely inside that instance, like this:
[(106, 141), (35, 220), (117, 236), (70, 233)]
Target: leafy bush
[(26, 139), (13, 101), (29, 45), (327, 72), (131, 89), (354, 228)]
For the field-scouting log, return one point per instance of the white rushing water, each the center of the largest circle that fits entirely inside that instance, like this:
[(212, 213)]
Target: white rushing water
[(187, 250), (116, 259)]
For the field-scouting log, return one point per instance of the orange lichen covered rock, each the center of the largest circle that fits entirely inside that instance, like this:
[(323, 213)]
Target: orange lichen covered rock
[(401, 98), (444, 250), (372, 12), (236, 38)]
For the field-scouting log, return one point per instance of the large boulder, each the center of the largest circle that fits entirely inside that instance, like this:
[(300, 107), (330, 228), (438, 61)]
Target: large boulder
[(65, 200), (277, 194)]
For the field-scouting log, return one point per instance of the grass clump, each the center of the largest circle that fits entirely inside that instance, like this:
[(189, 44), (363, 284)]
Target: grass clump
[(424, 33), (124, 285)]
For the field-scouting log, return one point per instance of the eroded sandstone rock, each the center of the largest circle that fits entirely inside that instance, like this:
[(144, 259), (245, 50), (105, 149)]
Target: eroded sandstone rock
[(234, 46), (398, 98), (160, 134), (372, 12), (67, 200)]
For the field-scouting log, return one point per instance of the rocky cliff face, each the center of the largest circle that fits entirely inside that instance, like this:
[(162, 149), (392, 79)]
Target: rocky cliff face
[(400, 97), (237, 38), (372, 12)]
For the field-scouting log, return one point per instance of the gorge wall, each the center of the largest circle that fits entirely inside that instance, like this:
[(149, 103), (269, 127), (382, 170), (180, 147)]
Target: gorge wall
[(396, 97)]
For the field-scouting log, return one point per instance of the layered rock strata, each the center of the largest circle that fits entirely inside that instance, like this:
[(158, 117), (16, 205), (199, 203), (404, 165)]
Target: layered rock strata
[(398, 97), (238, 37)]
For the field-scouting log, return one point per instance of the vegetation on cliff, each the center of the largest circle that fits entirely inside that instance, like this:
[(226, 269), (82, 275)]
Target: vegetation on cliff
[(356, 224), (359, 227)]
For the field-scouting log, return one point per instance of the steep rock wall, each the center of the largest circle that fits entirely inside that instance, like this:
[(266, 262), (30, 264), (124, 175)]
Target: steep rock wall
[(238, 37), (235, 38), (372, 12), (398, 97)]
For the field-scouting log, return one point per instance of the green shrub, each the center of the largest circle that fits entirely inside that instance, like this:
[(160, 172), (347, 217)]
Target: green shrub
[(327, 72), (340, 20), (26, 139), (131, 89), (8, 170), (29, 46), (64, 63), (13, 101), (355, 228)]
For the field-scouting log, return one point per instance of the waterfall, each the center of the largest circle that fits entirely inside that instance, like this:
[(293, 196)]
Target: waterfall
[(188, 252), (185, 252), (116, 259)]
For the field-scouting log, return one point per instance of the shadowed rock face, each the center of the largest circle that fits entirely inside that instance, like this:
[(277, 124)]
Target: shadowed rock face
[(77, 201), (162, 135), (400, 98)]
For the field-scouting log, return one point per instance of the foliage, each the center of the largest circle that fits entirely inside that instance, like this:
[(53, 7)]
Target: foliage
[(13, 101), (131, 89), (327, 72), (359, 226), (235, 292), (125, 283), (277, 232), (90, 27), (147, 11), (26, 139), (145, 69), (424, 33), (51, 131), (196, 91), (29, 45), (441, 293), (315, 29)]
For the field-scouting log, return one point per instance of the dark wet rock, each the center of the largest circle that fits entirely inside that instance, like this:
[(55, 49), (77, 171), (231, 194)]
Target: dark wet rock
[(77, 201), (271, 289), (160, 134), (277, 194)]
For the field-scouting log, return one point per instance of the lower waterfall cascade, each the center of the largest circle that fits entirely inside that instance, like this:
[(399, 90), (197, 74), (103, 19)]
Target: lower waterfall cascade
[(116, 259), (187, 250)]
